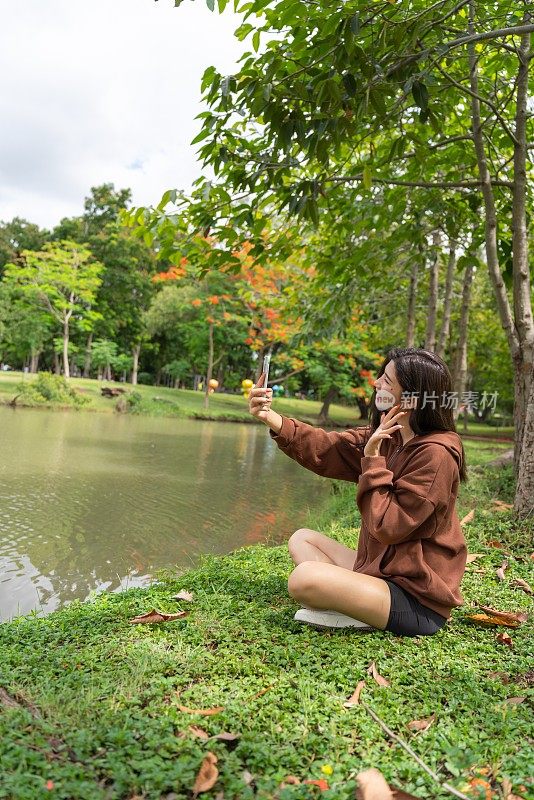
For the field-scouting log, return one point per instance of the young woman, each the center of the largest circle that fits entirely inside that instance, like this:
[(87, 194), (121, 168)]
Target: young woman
[(405, 574)]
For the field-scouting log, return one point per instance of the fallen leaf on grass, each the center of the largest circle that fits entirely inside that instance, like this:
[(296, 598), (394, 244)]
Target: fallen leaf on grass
[(289, 780), (205, 712), (507, 790), (522, 585), (501, 506), (321, 783), (484, 619), (511, 616), (371, 785), (262, 691), (514, 701), (196, 731), (248, 777), (500, 571), (471, 557), (157, 616), (475, 783), (372, 670), (355, 697), (207, 775), (494, 543), (468, 518), (421, 724), (503, 638), (183, 595), (224, 736)]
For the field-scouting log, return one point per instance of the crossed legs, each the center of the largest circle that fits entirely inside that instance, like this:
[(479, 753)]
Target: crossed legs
[(323, 578)]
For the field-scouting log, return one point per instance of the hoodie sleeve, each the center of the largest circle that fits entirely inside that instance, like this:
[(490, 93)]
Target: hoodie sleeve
[(331, 454), (393, 509)]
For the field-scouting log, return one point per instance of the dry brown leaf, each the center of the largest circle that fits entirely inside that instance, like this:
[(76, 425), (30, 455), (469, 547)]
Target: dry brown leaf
[(494, 543), (522, 585), (484, 619), (421, 724), (289, 780), (205, 712), (207, 774), (503, 638), (468, 518), (513, 616), (371, 785), (354, 699), (372, 670), (514, 701), (157, 616), (224, 736), (196, 731), (247, 776), (501, 506), (471, 557), (507, 790), (262, 691), (500, 571), (183, 595)]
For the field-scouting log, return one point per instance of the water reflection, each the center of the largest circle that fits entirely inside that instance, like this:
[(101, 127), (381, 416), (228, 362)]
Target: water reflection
[(93, 502)]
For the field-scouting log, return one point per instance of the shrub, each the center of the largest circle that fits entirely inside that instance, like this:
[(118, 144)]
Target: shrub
[(49, 388)]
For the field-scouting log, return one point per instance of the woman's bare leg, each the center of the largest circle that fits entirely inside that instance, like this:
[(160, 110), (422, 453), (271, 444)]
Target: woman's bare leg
[(309, 545), (322, 585)]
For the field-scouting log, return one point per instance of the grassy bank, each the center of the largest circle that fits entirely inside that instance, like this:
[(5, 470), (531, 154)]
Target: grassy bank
[(90, 707), (185, 403)]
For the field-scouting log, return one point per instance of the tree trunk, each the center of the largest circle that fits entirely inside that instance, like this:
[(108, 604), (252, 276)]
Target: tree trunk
[(412, 299), (430, 336), (57, 365), (323, 413), (88, 356), (460, 367), (34, 360), (364, 408), (210, 367), (447, 301), (519, 329), (66, 370), (135, 366)]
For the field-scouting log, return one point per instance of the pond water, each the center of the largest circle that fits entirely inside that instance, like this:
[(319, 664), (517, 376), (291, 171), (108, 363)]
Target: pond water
[(94, 502)]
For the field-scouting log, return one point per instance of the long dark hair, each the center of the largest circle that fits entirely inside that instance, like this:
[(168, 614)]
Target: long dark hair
[(420, 371)]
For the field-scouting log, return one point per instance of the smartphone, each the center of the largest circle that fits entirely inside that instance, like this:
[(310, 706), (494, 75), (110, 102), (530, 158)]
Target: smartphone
[(265, 369)]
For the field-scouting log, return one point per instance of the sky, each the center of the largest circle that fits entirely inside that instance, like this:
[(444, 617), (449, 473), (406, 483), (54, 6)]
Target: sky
[(96, 91)]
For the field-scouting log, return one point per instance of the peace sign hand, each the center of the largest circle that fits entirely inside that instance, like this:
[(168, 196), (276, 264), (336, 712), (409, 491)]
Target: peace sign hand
[(387, 425)]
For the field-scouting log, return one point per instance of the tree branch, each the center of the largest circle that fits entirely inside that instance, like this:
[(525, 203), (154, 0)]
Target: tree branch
[(420, 184)]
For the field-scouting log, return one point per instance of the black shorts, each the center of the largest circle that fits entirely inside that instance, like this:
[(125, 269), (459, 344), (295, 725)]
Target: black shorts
[(409, 617)]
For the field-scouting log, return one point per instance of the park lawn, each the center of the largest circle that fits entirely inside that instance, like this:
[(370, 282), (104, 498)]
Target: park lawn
[(97, 715), (162, 401)]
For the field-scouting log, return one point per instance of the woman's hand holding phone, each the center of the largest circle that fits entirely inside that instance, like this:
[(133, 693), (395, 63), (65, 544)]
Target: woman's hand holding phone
[(260, 399)]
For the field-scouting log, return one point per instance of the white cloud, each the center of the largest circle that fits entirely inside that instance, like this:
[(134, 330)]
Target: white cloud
[(100, 91)]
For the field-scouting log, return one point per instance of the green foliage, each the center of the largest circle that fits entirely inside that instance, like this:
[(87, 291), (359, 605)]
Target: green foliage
[(48, 388)]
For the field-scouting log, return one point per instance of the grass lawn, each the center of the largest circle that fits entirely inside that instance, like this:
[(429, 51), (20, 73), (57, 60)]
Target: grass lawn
[(161, 401), (91, 703)]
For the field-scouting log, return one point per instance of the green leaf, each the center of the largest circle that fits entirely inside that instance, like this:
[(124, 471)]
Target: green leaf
[(355, 24), (256, 41), (367, 177), (350, 84), (210, 4), (420, 95)]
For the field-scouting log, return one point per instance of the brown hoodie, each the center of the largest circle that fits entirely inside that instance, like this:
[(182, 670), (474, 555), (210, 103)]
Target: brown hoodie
[(410, 531)]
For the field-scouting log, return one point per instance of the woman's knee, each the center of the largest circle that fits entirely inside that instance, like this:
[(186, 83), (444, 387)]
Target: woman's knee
[(298, 536), (301, 582)]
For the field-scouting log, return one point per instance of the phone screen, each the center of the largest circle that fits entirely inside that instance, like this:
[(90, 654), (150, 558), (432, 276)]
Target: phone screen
[(265, 369)]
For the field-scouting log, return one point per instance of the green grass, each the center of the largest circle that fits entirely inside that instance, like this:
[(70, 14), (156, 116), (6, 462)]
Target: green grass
[(98, 698), (161, 401)]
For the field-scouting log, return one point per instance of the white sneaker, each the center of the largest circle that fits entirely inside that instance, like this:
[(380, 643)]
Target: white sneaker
[(329, 619)]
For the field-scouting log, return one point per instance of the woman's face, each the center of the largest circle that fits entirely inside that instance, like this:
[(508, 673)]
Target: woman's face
[(388, 389)]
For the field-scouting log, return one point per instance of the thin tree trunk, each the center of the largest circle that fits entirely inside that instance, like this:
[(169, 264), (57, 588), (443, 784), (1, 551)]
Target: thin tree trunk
[(135, 366), (88, 356), (325, 408), (447, 300), (460, 367), (520, 330), (430, 336), (210, 367), (57, 365), (412, 299), (66, 370)]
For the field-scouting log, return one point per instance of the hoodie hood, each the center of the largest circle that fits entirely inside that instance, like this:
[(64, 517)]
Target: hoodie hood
[(448, 439)]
